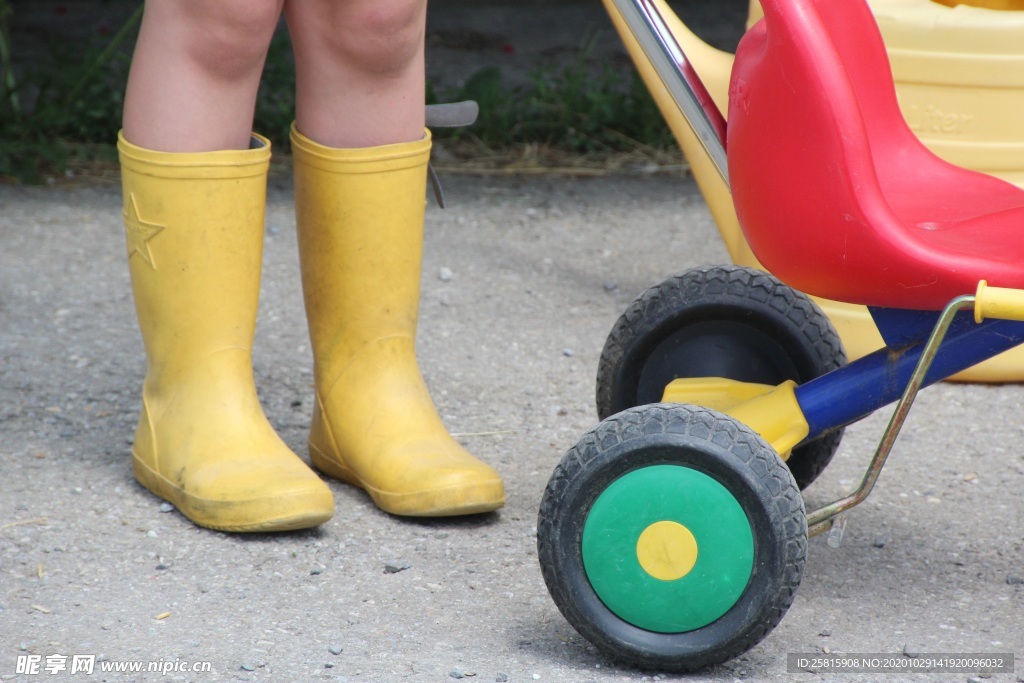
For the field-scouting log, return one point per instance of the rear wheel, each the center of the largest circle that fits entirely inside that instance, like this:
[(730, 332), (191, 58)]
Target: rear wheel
[(723, 321)]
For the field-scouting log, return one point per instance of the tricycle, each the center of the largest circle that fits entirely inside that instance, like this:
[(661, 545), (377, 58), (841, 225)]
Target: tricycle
[(673, 534)]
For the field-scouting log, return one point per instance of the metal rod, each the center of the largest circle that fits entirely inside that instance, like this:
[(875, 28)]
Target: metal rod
[(821, 519), (677, 73)]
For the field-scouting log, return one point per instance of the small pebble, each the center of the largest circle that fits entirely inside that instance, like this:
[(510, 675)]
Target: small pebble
[(316, 571), (23, 646), (502, 677), (395, 567), (1015, 580), (247, 666), (456, 673), (445, 274), (911, 651), (825, 633), (335, 649), (611, 286), (328, 665), (879, 542), (166, 507), (568, 353), (163, 565)]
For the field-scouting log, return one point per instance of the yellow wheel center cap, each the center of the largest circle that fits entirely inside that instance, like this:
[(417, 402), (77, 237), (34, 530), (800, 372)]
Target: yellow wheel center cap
[(667, 550)]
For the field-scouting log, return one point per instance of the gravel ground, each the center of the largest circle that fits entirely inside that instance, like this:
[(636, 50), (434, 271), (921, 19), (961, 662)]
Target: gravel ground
[(522, 281)]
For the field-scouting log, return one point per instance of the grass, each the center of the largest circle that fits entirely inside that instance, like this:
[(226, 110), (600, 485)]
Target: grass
[(64, 112)]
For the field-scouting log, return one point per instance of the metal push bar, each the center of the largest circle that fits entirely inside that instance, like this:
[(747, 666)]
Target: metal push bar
[(678, 75)]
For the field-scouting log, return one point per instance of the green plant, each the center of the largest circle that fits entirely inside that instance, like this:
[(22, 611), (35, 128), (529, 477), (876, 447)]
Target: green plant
[(7, 82), (575, 106), (66, 107), (69, 107)]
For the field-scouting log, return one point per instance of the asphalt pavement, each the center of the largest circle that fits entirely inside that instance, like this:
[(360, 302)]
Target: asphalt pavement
[(522, 280)]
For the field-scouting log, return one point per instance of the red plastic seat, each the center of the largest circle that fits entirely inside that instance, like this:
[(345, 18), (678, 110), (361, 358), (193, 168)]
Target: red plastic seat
[(835, 194)]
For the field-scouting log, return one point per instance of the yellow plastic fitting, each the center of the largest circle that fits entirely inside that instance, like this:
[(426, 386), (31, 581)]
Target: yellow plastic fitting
[(771, 411), (667, 550), (998, 302)]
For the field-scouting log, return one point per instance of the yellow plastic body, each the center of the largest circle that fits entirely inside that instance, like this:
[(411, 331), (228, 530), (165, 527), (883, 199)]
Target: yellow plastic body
[(772, 412), (960, 80), (360, 226), (194, 227), (998, 302)]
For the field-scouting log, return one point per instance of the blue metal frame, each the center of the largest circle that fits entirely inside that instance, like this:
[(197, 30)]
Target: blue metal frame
[(855, 391)]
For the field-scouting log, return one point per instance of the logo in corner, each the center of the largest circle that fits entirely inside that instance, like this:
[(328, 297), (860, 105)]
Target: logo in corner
[(139, 232)]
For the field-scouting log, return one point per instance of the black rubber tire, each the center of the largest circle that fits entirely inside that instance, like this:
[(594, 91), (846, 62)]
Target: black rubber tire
[(720, 321), (716, 445)]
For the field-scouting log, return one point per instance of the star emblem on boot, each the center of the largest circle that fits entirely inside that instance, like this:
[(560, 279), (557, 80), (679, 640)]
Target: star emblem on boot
[(139, 232)]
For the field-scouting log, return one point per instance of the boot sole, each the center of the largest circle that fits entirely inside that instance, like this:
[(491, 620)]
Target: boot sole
[(479, 497), (298, 510)]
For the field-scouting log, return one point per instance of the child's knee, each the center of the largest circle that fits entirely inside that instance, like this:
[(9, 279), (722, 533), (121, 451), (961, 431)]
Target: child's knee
[(229, 38), (379, 36)]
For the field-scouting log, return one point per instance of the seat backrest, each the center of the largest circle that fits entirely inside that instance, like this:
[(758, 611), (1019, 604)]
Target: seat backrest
[(809, 81), (835, 194), (912, 179)]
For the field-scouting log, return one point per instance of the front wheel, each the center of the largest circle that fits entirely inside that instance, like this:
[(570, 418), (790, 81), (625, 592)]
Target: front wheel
[(672, 537)]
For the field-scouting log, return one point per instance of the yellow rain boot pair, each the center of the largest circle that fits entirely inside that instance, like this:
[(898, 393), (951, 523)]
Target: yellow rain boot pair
[(360, 227), (194, 226)]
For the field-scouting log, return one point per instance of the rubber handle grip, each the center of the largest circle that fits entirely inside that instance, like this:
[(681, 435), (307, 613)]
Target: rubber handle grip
[(998, 302), (452, 114)]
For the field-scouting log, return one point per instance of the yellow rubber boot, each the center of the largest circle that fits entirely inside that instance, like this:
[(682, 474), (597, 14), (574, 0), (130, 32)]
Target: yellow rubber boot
[(194, 224), (360, 226)]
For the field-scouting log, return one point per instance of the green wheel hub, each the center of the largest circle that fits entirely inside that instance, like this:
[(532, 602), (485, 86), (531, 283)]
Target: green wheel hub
[(668, 548)]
